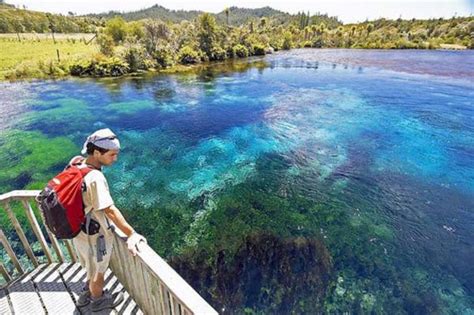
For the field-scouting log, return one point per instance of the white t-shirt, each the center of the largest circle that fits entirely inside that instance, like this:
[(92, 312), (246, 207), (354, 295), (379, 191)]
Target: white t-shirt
[(96, 198)]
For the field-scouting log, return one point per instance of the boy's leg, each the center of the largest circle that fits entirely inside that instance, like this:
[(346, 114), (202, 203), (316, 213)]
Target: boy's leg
[(96, 285), (101, 299)]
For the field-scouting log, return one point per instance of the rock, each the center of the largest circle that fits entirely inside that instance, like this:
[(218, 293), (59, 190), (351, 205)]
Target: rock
[(269, 50)]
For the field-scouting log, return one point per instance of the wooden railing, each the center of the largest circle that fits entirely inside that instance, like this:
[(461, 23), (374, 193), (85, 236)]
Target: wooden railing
[(151, 282)]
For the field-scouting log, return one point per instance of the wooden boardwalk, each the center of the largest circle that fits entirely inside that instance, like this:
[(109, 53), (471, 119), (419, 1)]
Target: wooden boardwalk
[(54, 289)]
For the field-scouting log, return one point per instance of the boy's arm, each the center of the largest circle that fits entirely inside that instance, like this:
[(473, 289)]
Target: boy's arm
[(133, 238), (114, 214)]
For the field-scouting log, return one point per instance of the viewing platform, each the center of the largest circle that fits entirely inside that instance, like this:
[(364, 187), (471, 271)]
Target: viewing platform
[(149, 284)]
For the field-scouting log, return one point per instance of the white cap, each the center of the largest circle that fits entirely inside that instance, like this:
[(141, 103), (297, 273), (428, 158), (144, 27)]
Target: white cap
[(103, 138)]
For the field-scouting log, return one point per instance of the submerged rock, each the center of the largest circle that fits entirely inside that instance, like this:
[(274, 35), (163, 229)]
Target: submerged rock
[(267, 274)]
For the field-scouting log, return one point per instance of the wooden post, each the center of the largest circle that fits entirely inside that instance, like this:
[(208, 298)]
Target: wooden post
[(37, 230), (162, 299), (4, 273), (57, 248), (11, 253), (71, 251), (55, 244), (57, 52), (174, 305), (20, 232), (90, 40), (166, 299)]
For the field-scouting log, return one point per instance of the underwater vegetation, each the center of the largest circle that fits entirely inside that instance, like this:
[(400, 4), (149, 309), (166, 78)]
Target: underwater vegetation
[(254, 229), (286, 186), (57, 116), (30, 158), (263, 276)]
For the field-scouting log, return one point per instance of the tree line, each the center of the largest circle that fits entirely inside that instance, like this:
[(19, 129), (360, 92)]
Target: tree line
[(130, 46)]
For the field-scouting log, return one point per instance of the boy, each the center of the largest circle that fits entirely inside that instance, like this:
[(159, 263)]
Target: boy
[(94, 243)]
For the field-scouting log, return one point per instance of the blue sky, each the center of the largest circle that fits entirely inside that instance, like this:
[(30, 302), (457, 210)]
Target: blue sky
[(346, 10)]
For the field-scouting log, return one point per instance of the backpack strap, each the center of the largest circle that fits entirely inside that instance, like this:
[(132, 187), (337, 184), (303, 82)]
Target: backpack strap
[(75, 161)]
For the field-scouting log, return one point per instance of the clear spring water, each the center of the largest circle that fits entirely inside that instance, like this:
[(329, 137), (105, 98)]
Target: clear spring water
[(386, 137)]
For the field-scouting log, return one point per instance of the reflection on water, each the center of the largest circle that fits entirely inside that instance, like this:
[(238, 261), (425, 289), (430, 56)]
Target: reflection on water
[(368, 151)]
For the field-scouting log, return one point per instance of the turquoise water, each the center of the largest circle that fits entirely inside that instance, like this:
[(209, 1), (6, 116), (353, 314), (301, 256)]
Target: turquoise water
[(370, 151)]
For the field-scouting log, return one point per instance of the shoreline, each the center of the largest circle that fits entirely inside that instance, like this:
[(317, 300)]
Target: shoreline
[(180, 68)]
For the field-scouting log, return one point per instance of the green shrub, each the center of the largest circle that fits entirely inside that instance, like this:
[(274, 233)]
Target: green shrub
[(258, 49), (23, 71), (117, 29), (51, 69), (276, 43), (240, 51), (106, 44), (188, 55), (218, 53), (164, 56), (136, 30), (100, 67), (287, 41), (404, 44), (135, 57)]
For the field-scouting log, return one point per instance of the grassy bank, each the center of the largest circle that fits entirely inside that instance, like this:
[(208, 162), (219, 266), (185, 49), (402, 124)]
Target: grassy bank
[(31, 54)]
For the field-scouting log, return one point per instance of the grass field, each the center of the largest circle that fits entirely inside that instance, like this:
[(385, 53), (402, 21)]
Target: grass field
[(35, 48)]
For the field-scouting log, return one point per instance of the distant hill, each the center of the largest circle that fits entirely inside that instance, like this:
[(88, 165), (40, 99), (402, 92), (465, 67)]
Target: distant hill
[(13, 20), (154, 12), (237, 16), (21, 20)]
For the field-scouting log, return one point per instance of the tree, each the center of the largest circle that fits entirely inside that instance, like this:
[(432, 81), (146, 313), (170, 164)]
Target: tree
[(370, 28), (155, 31), (227, 11), (159, 43), (322, 28), (106, 44), (51, 25), (353, 30), (18, 28), (287, 41), (135, 30), (207, 33), (117, 29)]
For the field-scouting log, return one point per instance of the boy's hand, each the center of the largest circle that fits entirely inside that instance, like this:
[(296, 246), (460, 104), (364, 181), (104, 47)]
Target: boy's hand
[(133, 241)]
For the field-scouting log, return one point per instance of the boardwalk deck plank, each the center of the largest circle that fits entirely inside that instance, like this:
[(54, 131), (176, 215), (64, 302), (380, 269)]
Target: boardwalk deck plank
[(53, 291), (4, 304), (23, 296), (74, 278)]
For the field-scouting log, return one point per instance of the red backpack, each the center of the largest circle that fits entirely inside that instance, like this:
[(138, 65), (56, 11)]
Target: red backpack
[(61, 200)]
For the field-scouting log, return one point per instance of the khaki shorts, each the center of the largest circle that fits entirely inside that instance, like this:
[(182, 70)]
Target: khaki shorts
[(87, 253)]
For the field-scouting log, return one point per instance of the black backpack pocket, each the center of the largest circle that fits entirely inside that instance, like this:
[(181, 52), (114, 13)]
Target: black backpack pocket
[(94, 227)]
